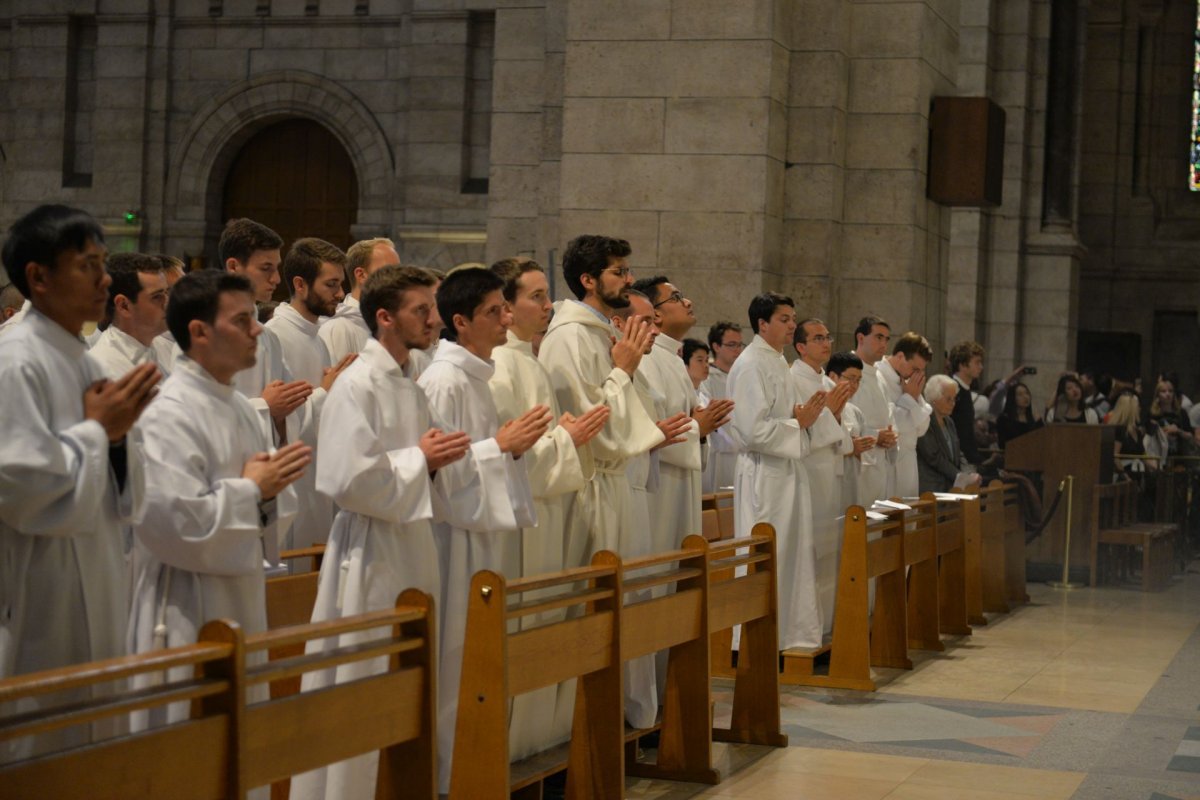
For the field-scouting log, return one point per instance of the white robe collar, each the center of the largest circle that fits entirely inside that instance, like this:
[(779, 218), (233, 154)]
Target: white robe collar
[(671, 345), (376, 356), (760, 345), (349, 307), (516, 343), (890, 376), (468, 362), (125, 344), (575, 312), (55, 335), (805, 371), (286, 314), (201, 379)]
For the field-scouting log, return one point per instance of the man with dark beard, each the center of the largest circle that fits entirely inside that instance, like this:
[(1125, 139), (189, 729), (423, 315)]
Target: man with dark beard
[(314, 270)]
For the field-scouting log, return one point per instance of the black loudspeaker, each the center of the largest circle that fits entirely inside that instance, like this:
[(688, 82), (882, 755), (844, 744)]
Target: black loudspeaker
[(966, 152)]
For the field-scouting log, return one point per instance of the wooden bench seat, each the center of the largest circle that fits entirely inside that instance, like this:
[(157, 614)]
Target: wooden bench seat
[(1118, 537)]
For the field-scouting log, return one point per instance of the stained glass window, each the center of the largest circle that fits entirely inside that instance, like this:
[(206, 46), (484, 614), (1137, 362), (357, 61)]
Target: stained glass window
[(1194, 178)]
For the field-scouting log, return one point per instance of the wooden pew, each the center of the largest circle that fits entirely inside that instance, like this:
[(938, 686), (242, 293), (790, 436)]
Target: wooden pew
[(1014, 546), (1114, 512), (290, 601), (392, 712), (870, 549), (952, 566), (749, 600), (973, 555), (191, 760), (993, 551), (499, 665), (921, 558), (720, 505)]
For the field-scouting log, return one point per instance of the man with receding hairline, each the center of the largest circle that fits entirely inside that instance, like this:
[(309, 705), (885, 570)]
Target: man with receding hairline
[(346, 331)]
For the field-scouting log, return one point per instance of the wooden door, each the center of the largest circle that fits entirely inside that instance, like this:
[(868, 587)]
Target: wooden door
[(296, 178)]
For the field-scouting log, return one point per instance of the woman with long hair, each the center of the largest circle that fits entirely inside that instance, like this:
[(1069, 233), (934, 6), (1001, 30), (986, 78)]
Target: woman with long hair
[(1127, 414), (1167, 415), (1019, 416), (1068, 403)]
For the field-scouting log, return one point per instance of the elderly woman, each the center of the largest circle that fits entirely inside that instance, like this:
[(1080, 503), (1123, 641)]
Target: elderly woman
[(939, 458)]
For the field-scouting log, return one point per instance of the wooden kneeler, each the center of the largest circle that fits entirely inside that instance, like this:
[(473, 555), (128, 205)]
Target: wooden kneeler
[(993, 574), (861, 640), (392, 712), (192, 760), (952, 574), (972, 555), (498, 665), (749, 600), (921, 558)]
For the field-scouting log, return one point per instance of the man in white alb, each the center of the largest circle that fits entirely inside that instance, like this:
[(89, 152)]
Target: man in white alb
[(877, 473), (725, 342), (137, 310), (346, 331), (902, 378), (70, 466)]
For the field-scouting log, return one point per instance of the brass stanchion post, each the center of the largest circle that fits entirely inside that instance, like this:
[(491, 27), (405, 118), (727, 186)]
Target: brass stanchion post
[(1065, 583)]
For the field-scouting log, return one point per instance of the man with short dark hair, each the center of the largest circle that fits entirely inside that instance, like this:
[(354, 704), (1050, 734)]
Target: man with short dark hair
[(557, 463), (217, 492), (902, 377), (70, 462), (775, 433), (313, 271), (823, 467), (877, 477), (471, 303), (966, 366), (675, 511), (252, 250), (725, 341), (847, 367), (137, 310), (346, 331)]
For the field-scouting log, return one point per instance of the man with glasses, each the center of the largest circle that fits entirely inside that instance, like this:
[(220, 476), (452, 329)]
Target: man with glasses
[(725, 339), (877, 479), (676, 507), (814, 345)]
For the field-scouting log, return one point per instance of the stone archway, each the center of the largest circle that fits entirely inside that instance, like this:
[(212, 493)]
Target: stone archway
[(220, 128)]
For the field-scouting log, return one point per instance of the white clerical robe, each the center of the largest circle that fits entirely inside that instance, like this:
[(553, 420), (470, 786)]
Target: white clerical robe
[(876, 476), (518, 384), (117, 353), (346, 331), (577, 353), (912, 420), (63, 588), (824, 470), (206, 530), (722, 454), (852, 423), (675, 510), (382, 540), (456, 383), (306, 359), (772, 485), (165, 352)]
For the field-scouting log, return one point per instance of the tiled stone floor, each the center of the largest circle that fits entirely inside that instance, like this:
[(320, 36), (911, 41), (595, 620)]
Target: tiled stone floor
[(1092, 694)]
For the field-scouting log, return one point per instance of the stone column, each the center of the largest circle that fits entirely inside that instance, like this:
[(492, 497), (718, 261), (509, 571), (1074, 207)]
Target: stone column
[(673, 137)]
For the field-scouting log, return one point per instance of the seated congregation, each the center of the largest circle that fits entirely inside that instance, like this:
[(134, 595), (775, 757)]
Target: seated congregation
[(440, 535)]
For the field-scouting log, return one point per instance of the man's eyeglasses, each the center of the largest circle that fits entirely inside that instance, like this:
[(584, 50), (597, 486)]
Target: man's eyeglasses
[(674, 297), (821, 339), (734, 345), (620, 272)]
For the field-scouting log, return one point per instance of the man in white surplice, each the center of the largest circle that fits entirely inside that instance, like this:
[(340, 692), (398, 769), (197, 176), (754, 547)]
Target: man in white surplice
[(675, 509), (877, 472), (390, 485), (775, 434), (902, 378), (346, 331), (217, 495), (725, 342), (557, 466), (70, 466), (163, 345), (588, 369), (282, 403), (313, 271), (824, 465), (848, 367), (456, 382), (137, 310)]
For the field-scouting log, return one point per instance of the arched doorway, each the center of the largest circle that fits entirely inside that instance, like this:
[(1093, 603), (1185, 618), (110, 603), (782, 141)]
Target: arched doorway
[(295, 177)]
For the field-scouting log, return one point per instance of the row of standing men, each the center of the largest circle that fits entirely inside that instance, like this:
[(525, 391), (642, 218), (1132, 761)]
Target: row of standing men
[(427, 469)]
